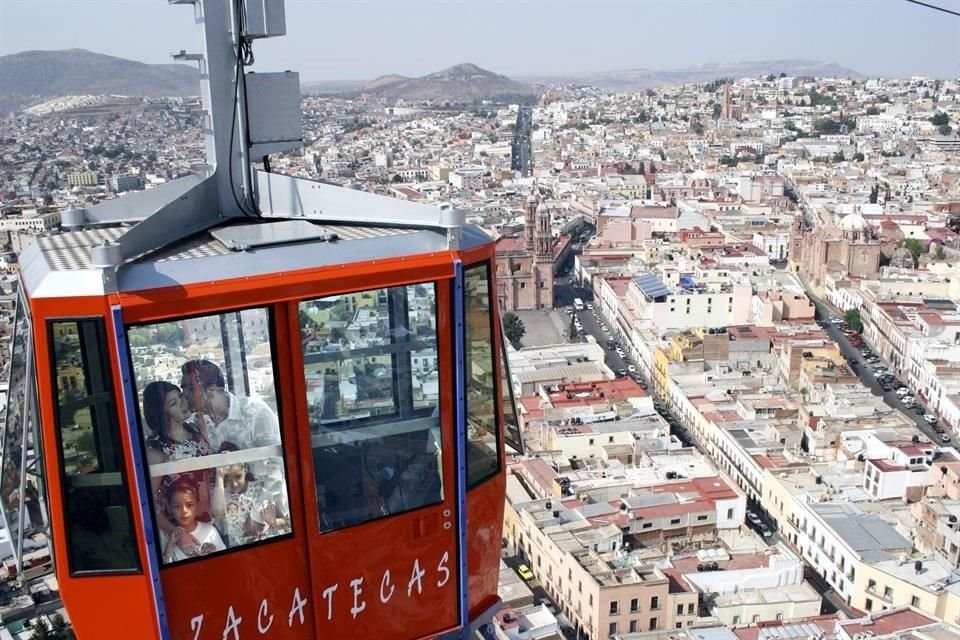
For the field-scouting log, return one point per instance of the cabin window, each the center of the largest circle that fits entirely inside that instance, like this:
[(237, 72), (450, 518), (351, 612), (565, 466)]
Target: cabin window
[(98, 524), (511, 426), (483, 458), (211, 433), (371, 370)]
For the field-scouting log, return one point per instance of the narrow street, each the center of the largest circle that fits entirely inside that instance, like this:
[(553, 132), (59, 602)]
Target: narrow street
[(865, 371)]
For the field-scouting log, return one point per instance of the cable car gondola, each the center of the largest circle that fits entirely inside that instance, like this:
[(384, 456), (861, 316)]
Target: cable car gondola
[(265, 406)]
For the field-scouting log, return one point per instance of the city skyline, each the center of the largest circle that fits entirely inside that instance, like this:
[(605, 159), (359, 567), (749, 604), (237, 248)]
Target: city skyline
[(533, 39)]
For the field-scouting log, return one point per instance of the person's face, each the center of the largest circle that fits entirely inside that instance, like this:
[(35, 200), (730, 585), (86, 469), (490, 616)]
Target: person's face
[(216, 403), (184, 506), (192, 393), (235, 478), (175, 407)]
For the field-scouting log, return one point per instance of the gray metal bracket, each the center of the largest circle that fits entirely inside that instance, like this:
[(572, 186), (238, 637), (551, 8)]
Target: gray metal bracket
[(281, 196)]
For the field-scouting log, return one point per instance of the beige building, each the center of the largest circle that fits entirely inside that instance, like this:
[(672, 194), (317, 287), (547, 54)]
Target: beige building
[(847, 248), (525, 265)]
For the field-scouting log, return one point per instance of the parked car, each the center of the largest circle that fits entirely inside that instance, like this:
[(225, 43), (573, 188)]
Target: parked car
[(903, 392), (754, 518), (764, 530), (944, 437), (931, 420), (525, 572), (631, 368), (590, 306), (920, 410)]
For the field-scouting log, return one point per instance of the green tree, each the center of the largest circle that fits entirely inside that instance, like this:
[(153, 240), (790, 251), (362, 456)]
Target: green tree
[(941, 252), (60, 628), (914, 246), (940, 119), (513, 327), (641, 168), (698, 128), (41, 631), (858, 157), (872, 111), (944, 129), (853, 320), (874, 194), (838, 156)]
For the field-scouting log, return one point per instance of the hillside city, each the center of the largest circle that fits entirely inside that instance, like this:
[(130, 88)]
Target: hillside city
[(733, 313)]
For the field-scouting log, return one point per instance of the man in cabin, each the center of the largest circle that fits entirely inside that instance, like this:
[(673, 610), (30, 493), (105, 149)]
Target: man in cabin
[(241, 421)]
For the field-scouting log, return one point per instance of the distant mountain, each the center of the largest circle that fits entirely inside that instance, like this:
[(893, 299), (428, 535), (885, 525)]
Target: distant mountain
[(632, 79), (459, 83), (82, 72), (331, 86)]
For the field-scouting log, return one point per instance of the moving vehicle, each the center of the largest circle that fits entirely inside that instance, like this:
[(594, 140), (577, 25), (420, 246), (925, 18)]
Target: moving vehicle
[(578, 304), (525, 572), (944, 437), (244, 268)]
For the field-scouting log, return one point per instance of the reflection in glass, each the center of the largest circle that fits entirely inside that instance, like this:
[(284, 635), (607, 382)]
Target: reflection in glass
[(511, 425), (482, 441), (99, 528), (208, 407), (372, 376)]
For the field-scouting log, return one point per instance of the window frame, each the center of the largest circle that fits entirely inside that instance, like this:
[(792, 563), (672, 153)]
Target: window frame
[(270, 308), (100, 326), (394, 350), (494, 324)]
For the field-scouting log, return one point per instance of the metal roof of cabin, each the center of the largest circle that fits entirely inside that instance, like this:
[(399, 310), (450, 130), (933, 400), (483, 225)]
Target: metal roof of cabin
[(60, 264)]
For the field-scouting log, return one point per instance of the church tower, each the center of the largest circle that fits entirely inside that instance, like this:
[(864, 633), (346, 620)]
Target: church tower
[(530, 223), (543, 244)]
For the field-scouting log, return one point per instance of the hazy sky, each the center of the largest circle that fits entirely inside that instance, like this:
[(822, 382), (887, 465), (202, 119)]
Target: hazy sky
[(360, 39)]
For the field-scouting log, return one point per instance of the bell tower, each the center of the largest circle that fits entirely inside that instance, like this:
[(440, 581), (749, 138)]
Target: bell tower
[(530, 222), (543, 243)]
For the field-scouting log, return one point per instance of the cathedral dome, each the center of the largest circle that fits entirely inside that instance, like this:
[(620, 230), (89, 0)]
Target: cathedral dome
[(853, 222)]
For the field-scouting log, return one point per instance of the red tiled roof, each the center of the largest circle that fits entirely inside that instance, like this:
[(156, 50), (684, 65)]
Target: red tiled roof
[(885, 623)]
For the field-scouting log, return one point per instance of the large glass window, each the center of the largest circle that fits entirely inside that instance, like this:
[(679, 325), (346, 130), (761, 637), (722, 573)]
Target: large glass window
[(373, 390), (511, 426), (98, 524), (483, 458), (208, 409)]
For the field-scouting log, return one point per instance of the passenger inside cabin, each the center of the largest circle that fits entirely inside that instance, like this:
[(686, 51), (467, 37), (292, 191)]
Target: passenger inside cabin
[(242, 421), (175, 436), (191, 537), (251, 507)]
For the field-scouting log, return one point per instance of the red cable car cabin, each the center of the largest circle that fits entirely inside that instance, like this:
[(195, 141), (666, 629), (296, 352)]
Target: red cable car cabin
[(294, 439)]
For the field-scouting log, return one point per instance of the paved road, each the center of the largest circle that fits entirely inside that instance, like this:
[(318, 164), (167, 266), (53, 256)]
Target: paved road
[(864, 370), (540, 596)]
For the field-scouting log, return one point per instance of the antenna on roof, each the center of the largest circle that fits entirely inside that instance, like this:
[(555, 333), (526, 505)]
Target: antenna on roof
[(246, 115)]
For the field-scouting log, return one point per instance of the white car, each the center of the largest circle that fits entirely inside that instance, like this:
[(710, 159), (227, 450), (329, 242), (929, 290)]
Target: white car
[(631, 368), (621, 353), (903, 392), (930, 419), (589, 306)]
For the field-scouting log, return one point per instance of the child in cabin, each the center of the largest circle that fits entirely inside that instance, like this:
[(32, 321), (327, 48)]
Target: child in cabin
[(191, 538), (252, 507)]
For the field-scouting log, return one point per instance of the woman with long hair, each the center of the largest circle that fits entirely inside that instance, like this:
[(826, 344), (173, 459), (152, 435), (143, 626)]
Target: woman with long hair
[(174, 437)]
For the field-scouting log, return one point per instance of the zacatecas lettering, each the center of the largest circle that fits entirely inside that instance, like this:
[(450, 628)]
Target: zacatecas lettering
[(235, 622)]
